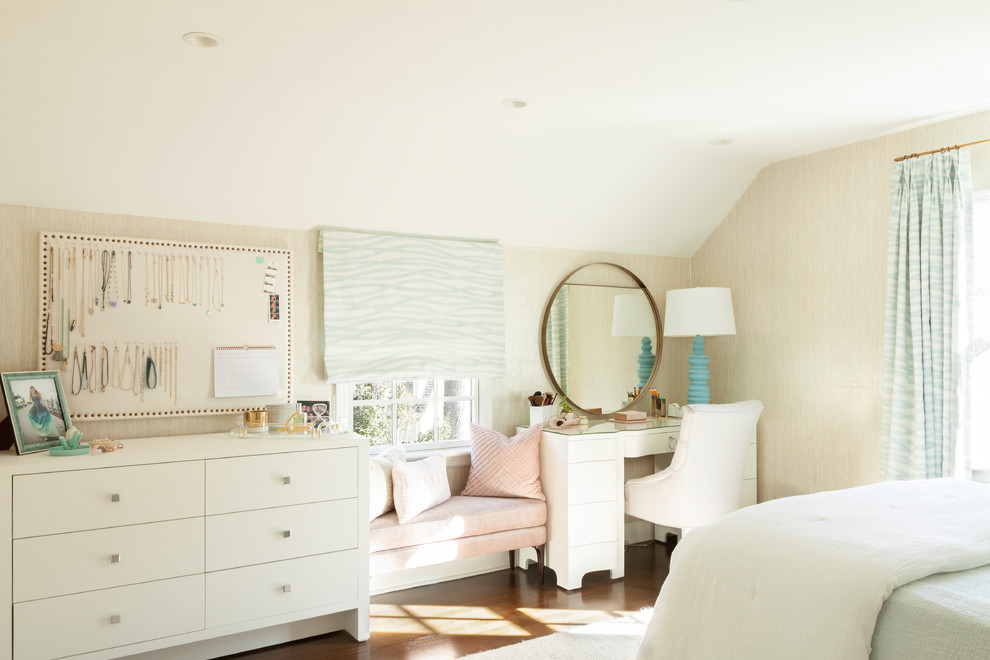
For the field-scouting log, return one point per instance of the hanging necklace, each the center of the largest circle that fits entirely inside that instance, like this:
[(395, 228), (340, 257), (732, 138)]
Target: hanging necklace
[(92, 369), (114, 283), (104, 368), (114, 368), (76, 376), (105, 262), (125, 369), (137, 386), (128, 301), (82, 296), (151, 370)]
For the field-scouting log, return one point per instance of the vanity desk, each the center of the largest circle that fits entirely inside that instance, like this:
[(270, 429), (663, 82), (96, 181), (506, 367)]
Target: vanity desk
[(582, 470)]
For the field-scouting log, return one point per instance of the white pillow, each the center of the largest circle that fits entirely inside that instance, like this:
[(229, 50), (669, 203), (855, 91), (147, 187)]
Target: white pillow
[(419, 485), (380, 480)]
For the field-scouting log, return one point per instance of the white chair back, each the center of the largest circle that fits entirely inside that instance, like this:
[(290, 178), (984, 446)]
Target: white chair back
[(705, 476)]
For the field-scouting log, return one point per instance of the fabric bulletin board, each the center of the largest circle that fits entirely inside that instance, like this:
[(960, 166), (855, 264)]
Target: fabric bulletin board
[(144, 328)]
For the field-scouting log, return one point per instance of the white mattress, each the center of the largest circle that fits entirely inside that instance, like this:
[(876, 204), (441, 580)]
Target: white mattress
[(940, 616)]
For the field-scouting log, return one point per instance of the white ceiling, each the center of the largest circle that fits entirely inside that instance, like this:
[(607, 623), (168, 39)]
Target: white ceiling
[(388, 115)]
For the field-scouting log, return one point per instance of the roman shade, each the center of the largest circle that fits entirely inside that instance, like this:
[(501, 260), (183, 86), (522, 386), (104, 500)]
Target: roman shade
[(399, 307)]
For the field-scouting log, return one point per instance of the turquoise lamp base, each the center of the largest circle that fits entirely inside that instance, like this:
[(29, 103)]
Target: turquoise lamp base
[(698, 391), (646, 360)]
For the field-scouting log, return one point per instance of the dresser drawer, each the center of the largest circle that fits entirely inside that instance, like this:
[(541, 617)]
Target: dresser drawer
[(254, 537), (255, 592), (46, 566), (57, 627), (592, 482), (651, 443), (258, 482), (592, 523), (56, 502), (604, 449)]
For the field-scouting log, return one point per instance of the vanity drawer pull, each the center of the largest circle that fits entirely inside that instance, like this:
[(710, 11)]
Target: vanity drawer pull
[(115, 618), (286, 480), (287, 533), (115, 497), (287, 589), (672, 441), (115, 558)]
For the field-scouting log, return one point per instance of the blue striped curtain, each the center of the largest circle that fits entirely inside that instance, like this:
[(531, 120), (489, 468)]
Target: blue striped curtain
[(928, 319), (399, 307)]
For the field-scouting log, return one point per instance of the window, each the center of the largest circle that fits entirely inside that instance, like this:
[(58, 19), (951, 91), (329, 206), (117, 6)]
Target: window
[(980, 367), (426, 413)]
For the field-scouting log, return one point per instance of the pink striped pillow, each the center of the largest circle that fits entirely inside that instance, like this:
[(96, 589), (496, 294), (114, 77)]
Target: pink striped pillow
[(504, 467)]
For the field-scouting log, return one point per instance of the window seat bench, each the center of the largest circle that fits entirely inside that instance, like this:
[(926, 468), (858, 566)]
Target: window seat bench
[(458, 528)]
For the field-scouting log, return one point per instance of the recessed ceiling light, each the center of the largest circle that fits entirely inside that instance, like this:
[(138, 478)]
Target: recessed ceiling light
[(515, 104), (202, 39), (721, 142)]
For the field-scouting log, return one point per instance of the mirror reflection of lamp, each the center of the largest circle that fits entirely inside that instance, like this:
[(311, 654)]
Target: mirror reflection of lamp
[(632, 316), (699, 312)]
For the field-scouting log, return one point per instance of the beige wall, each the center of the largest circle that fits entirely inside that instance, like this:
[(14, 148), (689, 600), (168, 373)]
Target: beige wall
[(530, 276), (804, 251)]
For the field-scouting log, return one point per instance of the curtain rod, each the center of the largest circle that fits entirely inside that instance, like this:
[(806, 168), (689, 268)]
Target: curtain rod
[(935, 151)]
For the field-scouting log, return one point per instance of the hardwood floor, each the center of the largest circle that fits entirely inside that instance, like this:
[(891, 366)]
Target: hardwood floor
[(456, 618)]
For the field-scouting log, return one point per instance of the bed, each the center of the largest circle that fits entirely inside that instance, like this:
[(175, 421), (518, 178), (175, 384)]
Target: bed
[(888, 571)]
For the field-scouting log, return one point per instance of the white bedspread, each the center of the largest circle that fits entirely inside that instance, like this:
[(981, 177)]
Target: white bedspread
[(805, 577)]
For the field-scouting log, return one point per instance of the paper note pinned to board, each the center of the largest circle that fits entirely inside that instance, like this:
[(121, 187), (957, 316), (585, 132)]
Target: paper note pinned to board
[(245, 371)]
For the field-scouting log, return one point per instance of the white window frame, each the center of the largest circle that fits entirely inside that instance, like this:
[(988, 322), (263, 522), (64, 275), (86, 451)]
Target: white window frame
[(481, 412)]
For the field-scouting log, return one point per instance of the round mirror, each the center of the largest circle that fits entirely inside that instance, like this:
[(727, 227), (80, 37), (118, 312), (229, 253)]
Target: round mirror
[(601, 338)]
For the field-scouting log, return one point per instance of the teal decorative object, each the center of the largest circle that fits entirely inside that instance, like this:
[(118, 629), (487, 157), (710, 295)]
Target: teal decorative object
[(698, 373), (646, 360), (70, 444)]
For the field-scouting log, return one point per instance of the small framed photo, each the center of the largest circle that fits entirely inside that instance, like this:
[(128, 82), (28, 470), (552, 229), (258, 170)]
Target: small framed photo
[(315, 411), (36, 406)]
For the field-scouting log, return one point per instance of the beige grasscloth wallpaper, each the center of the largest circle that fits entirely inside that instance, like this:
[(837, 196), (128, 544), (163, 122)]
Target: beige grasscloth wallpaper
[(805, 252), (531, 274)]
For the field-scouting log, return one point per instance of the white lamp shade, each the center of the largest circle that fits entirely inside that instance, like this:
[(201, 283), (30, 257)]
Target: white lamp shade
[(632, 316), (705, 311)]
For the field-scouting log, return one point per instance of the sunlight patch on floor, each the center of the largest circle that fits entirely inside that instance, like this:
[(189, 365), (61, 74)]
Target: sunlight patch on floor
[(564, 620), (441, 619)]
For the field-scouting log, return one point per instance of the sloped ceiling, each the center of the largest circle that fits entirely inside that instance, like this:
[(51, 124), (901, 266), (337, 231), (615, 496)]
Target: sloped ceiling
[(389, 115)]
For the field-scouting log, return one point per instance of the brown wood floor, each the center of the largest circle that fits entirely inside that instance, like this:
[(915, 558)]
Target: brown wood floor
[(456, 618)]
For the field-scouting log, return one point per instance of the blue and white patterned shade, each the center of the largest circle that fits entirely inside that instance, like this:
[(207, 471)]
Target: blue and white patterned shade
[(399, 307)]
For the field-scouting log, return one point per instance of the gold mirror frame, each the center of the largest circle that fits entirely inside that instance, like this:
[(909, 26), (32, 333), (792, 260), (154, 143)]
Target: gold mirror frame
[(543, 337)]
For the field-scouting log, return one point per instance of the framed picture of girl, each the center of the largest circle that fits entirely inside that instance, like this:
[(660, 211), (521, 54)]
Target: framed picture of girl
[(36, 407)]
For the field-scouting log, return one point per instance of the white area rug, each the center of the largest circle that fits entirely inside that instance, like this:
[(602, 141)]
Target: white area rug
[(618, 639)]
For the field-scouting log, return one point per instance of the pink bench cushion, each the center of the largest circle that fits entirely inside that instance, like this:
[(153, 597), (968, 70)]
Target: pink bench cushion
[(458, 517)]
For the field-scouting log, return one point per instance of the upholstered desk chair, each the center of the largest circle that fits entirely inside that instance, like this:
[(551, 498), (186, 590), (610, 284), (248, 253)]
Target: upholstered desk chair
[(705, 476)]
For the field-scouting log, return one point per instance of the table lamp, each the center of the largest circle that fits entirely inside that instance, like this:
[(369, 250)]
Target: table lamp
[(699, 312), (632, 316)]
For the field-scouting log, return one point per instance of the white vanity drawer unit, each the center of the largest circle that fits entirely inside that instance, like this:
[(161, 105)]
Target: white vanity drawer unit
[(214, 543), (582, 470)]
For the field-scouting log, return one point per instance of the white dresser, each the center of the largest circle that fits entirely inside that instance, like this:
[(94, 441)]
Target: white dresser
[(582, 470), (215, 543)]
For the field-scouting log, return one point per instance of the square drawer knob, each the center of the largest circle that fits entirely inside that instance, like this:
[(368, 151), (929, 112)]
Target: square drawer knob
[(287, 589), (287, 480), (287, 533), (115, 497), (115, 618), (115, 559)]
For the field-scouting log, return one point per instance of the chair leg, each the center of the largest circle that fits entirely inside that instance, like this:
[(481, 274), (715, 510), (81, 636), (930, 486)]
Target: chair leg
[(512, 560), (539, 562)]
